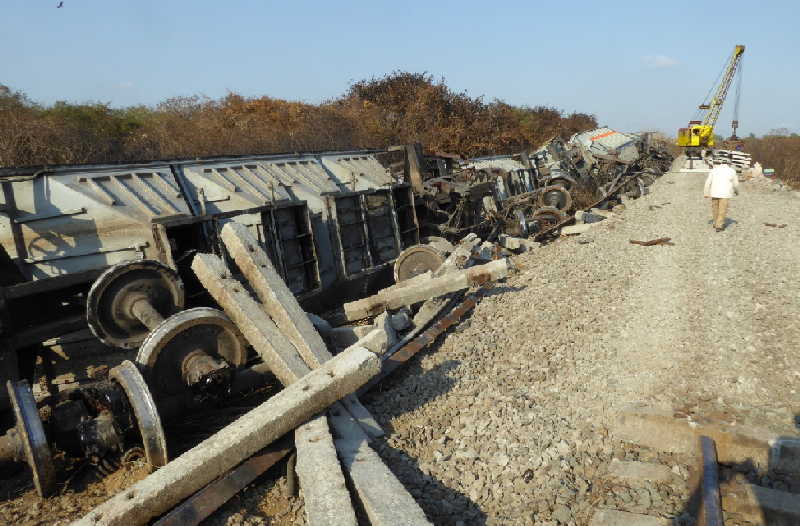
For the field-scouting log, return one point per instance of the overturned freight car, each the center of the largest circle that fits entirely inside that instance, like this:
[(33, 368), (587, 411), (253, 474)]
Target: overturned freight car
[(330, 222)]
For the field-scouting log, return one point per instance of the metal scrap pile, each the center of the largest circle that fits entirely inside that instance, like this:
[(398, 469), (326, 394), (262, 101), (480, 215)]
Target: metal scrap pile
[(533, 193)]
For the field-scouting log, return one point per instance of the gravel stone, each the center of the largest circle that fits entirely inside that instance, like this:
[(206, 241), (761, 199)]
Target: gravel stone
[(522, 397)]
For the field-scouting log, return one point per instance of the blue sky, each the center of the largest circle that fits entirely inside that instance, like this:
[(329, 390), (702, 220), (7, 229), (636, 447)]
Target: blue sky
[(634, 65)]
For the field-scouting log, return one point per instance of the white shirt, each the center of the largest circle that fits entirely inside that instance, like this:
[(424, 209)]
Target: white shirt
[(722, 182)]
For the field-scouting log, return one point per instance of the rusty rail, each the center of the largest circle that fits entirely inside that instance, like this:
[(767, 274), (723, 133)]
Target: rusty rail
[(405, 353), (206, 501), (711, 512)]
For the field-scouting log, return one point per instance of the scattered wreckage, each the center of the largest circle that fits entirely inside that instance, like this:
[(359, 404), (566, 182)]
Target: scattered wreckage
[(533, 192), (126, 294)]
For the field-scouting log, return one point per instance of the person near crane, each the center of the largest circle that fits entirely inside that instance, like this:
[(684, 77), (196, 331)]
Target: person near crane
[(721, 185)]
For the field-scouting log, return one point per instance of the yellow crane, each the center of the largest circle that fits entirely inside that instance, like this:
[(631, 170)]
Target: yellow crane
[(700, 133)]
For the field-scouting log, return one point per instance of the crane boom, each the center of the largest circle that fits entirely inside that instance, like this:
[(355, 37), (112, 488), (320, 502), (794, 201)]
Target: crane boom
[(722, 90), (701, 133)]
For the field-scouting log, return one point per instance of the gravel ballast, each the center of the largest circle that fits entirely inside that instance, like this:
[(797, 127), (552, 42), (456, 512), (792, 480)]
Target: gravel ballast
[(506, 422)]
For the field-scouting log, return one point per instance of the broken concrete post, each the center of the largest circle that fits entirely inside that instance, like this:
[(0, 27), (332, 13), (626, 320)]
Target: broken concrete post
[(376, 341), (269, 342), (660, 429), (280, 355), (362, 330), (486, 251), (384, 498), (276, 298), (329, 501), (243, 309), (257, 328), (419, 278), (362, 416), (517, 244), (383, 322), (294, 405), (203, 503), (394, 359), (281, 305), (461, 255), (450, 282), (322, 326), (761, 505), (432, 308)]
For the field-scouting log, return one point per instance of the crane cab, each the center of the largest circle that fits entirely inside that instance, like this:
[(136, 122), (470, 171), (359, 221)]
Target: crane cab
[(697, 134)]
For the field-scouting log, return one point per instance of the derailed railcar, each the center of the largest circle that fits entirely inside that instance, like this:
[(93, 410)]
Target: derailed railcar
[(610, 157), (533, 191), (327, 220)]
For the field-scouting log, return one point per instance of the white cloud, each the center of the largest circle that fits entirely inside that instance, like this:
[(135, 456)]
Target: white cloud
[(125, 85), (659, 61)]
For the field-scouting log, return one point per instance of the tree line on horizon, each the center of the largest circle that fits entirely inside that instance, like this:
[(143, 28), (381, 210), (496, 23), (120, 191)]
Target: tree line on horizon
[(398, 108)]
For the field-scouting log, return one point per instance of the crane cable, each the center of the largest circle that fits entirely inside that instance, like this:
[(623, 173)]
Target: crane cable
[(739, 76), (699, 112)]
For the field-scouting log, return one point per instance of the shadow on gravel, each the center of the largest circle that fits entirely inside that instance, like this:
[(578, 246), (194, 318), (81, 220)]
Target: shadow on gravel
[(728, 222), (442, 504), (405, 392), (768, 489), (392, 398)]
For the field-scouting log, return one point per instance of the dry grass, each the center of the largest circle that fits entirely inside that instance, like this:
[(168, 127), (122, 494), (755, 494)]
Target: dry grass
[(396, 109)]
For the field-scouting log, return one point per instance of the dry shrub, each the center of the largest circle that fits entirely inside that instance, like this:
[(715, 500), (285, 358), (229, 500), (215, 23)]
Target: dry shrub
[(779, 152), (395, 109)]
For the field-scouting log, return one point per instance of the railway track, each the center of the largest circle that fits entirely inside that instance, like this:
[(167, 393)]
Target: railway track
[(714, 474)]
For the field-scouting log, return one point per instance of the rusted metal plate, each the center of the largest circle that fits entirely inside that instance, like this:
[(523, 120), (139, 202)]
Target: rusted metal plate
[(203, 503)]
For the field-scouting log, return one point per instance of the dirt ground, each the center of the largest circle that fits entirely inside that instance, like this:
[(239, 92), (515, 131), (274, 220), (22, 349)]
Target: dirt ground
[(506, 419)]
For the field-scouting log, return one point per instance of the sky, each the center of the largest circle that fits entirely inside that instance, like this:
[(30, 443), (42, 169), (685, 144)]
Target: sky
[(635, 65)]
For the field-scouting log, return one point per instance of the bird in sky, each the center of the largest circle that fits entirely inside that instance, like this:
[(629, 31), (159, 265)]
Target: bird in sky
[(60, 5)]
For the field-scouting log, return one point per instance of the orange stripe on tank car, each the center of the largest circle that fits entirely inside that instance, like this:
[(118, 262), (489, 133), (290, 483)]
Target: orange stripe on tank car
[(606, 134)]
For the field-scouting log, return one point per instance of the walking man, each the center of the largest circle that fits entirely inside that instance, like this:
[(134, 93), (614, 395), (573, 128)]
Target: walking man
[(722, 184)]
